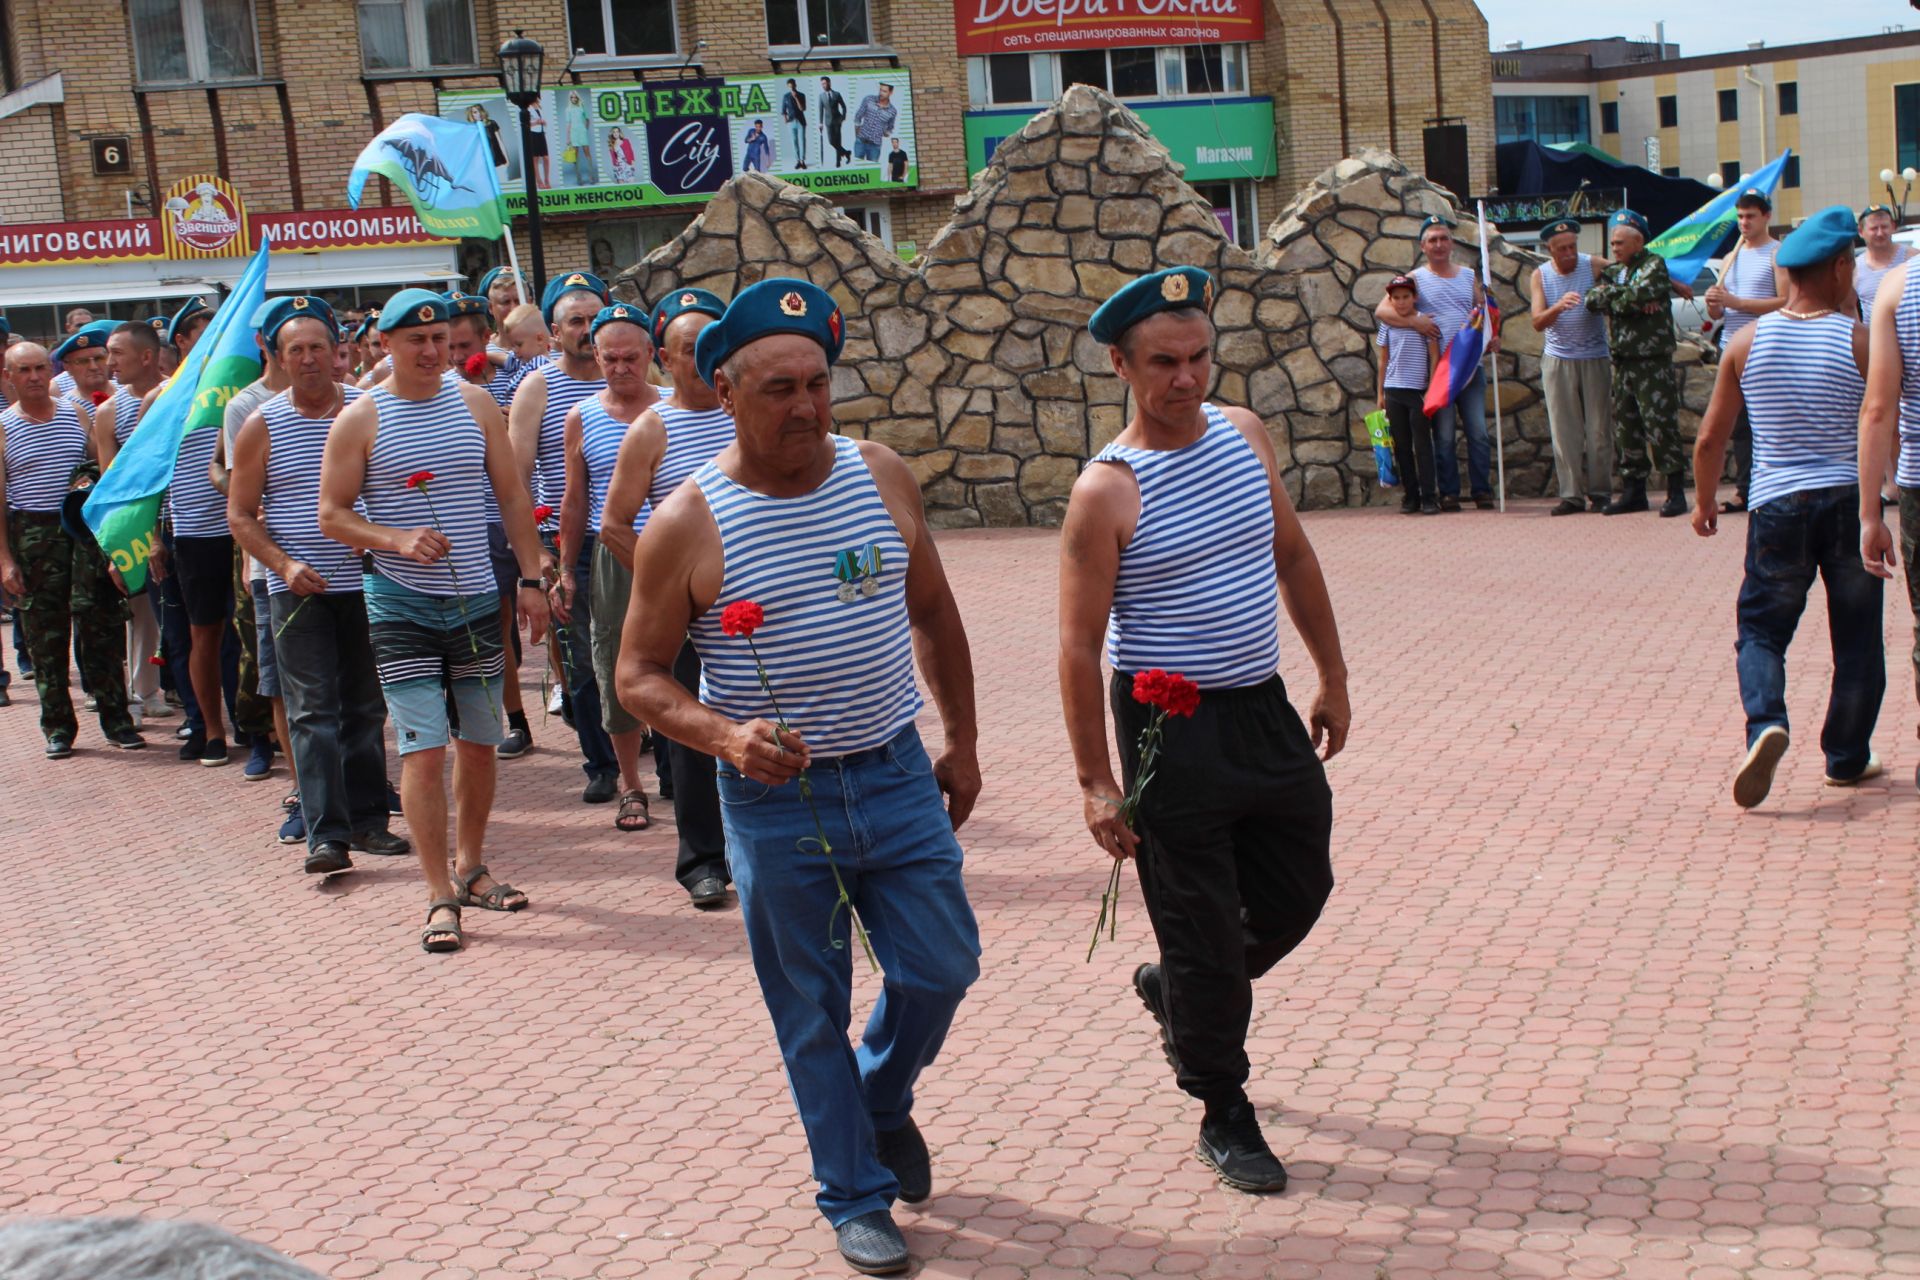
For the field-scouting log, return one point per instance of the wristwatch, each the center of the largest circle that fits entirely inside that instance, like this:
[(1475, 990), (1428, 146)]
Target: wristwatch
[(531, 584)]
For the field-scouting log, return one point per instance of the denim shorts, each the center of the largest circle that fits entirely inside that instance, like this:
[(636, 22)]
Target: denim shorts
[(266, 662)]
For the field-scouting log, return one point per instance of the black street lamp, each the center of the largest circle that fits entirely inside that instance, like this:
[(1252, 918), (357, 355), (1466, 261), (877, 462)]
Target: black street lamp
[(520, 62)]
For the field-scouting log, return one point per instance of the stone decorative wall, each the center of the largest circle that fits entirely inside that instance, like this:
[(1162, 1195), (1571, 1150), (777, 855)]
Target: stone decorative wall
[(974, 361)]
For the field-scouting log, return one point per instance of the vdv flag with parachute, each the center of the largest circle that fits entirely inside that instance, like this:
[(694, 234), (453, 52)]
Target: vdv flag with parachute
[(124, 506), (1702, 234), (445, 169)]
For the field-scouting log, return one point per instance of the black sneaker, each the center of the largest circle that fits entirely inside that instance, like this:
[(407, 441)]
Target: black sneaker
[(1234, 1147), (601, 788), (214, 753), (872, 1244), (393, 802), (381, 844), (127, 739), (193, 747), (516, 744), (327, 858), (1484, 501), (1449, 503), (904, 1152), (58, 748), (1410, 504), (708, 891), (1148, 985), (6, 699)]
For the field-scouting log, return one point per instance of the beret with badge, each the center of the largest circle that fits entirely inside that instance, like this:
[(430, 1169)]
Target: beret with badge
[(411, 308), (762, 310), (618, 313), (282, 312), (1174, 289), (1628, 218), (492, 278), (1821, 238), (679, 303), (88, 337), (193, 307), (467, 304), (1559, 227), (572, 282)]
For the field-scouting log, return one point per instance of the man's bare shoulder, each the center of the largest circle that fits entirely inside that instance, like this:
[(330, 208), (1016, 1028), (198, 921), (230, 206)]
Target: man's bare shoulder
[(684, 519)]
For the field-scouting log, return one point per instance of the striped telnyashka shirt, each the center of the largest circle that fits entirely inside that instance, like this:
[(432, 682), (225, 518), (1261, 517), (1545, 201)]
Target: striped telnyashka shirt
[(1867, 278), (1579, 334), (1197, 592), (1751, 276), (842, 668), (695, 437), (436, 435), (290, 496), (1406, 357), (1906, 325), (41, 456), (199, 509), (550, 456), (1448, 299), (126, 413), (1803, 391), (600, 437)]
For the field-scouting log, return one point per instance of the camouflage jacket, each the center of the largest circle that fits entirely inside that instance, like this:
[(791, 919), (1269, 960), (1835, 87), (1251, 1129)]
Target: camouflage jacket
[(1636, 297)]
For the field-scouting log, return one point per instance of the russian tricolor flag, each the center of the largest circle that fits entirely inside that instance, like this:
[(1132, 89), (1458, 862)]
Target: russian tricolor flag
[(1461, 360)]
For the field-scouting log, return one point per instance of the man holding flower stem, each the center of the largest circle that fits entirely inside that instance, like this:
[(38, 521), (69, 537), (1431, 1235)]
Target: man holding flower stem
[(419, 451), (830, 535), (1179, 546)]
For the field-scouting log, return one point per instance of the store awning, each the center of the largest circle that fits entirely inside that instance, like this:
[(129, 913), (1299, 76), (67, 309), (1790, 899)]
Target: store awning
[(58, 285)]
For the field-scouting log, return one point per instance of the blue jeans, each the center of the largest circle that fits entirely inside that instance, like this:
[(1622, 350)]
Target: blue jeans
[(864, 150), (596, 748), (335, 713), (797, 139), (896, 852), (1789, 540), (1472, 408)]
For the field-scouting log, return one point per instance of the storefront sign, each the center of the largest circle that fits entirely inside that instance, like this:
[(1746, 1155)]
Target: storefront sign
[(203, 217), (1216, 139), (615, 146), (182, 233), (1044, 26)]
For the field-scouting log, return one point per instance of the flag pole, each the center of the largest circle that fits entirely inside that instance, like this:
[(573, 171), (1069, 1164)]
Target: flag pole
[(1486, 288), (513, 260)]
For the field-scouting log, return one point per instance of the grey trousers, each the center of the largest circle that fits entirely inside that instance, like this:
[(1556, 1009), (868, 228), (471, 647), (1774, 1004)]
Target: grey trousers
[(335, 713), (1580, 416)]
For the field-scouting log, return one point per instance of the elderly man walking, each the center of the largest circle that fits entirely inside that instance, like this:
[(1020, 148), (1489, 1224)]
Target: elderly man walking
[(1180, 545), (1574, 369), (801, 564), (1799, 372), (1633, 295)]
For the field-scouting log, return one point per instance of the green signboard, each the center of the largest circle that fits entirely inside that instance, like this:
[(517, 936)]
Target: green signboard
[(1217, 139)]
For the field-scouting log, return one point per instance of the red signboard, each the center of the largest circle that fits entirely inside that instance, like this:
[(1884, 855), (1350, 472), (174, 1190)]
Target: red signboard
[(37, 244), (1042, 26)]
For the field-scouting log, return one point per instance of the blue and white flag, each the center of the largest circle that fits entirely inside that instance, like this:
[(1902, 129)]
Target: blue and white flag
[(1703, 234), (445, 169)]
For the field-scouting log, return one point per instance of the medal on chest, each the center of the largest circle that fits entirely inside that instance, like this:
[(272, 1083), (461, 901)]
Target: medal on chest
[(858, 570)]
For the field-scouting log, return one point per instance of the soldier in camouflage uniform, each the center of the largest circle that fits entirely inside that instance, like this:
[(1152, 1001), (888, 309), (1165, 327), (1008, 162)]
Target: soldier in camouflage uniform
[(61, 582), (1633, 294)]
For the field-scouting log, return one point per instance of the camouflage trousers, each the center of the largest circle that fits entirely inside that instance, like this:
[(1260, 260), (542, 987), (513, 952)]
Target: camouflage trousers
[(1646, 416), (251, 713), (70, 598)]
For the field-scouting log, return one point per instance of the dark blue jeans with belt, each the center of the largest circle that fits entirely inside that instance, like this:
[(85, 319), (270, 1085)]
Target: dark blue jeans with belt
[(1790, 540)]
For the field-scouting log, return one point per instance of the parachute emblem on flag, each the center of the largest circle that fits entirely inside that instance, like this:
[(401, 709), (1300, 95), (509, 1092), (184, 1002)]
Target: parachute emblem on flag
[(431, 179)]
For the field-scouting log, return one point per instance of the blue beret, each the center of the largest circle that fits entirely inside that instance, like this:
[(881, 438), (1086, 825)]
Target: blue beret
[(492, 278), (193, 307), (284, 311), (572, 282), (1872, 209), (770, 307), (467, 304), (1755, 193), (412, 307), (678, 303), (1559, 227), (1433, 220), (1826, 235), (88, 337), (619, 313), (1627, 218), (159, 324), (1172, 289)]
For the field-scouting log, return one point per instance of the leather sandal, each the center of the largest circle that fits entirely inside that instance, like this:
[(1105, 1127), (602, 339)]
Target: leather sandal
[(440, 935), (494, 899), (633, 814)]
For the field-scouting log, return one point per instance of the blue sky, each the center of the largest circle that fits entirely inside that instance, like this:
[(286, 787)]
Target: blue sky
[(1696, 28)]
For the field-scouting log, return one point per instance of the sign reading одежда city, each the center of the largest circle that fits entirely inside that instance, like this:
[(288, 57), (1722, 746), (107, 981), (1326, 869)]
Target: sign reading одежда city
[(1041, 26), (1216, 139), (609, 146)]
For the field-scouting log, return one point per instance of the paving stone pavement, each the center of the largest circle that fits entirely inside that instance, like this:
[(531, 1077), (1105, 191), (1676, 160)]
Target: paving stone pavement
[(1569, 1012)]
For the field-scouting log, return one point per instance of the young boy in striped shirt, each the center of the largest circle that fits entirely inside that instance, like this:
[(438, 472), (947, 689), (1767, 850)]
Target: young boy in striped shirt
[(1407, 359)]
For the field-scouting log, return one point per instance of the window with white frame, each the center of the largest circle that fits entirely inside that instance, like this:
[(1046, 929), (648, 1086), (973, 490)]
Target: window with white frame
[(806, 23), (874, 219), (1181, 71), (623, 28), (1234, 203), (189, 41), (416, 35)]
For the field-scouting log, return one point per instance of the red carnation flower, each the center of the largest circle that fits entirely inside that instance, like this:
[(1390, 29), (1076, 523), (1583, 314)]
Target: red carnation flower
[(1172, 693), (100, 398), (476, 364), (418, 478), (156, 661), (541, 513), (741, 618)]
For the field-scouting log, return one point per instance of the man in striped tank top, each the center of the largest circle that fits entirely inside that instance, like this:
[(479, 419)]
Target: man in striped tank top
[(314, 619), (1574, 370), (597, 603), (1880, 256), (668, 443), (59, 584), (133, 349), (1751, 285), (419, 454), (537, 425), (1799, 372), (1179, 546), (829, 536)]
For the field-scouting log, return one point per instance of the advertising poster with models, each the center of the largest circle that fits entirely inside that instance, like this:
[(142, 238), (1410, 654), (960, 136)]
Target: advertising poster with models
[(612, 146)]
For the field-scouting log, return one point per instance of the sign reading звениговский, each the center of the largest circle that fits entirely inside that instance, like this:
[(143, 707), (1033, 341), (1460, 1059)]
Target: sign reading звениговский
[(1040, 26)]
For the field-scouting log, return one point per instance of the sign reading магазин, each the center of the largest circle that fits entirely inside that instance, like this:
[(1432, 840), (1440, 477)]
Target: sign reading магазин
[(1216, 139), (611, 146), (1038, 26)]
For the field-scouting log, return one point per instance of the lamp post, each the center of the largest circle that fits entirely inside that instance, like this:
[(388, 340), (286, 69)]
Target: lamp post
[(520, 62), (1906, 175)]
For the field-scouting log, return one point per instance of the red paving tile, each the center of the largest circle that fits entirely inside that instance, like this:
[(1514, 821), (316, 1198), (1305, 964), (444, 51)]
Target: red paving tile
[(1569, 1013)]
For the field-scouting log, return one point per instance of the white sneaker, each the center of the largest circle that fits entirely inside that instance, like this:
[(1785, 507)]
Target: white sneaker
[(554, 703), (156, 707), (1873, 770), (1755, 779), (92, 703)]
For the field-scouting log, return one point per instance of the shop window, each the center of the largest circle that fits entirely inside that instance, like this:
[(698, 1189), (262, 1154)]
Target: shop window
[(1010, 77), (874, 219), (1906, 125), (805, 23), (1132, 75), (1790, 172), (1787, 93), (1022, 79), (1609, 117), (1084, 66), (1669, 112), (1544, 119), (1729, 105), (1729, 173), (1235, 205), (416, 35), (191, 41), (623, 28), (1211, 69)]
